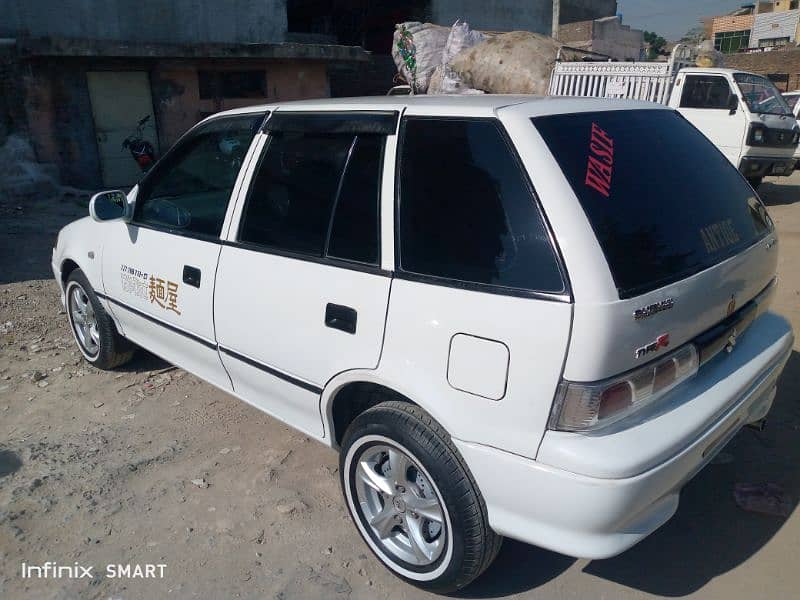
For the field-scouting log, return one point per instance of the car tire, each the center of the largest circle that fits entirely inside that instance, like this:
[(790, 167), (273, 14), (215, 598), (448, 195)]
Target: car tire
[(428, 523), (92, 327), (755, 182)]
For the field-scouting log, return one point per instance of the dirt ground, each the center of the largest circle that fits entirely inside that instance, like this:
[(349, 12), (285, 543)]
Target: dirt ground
[(97, 469)]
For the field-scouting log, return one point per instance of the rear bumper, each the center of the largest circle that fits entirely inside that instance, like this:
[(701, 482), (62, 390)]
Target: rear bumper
[(598, 516), (766, 166)]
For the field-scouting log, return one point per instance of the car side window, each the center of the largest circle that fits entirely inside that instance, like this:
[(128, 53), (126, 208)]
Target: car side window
[(466, 210), (705, 91), (355, 225), (188, 191), (316, 194)]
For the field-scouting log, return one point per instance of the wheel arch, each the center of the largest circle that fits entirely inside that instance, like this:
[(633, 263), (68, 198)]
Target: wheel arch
[(67, 267), (351, 393)]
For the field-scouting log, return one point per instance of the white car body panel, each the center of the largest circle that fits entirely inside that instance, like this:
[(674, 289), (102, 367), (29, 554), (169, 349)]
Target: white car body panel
[(796, 111), (271, 309), (485, 365), (162, 256), (600, 516), (421, 322)]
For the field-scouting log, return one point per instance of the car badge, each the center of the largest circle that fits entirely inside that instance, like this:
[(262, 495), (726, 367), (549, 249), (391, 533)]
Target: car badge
[(732, 305), (661, 341), (652, 309)]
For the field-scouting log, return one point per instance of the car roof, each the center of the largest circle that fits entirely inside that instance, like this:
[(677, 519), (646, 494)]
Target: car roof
[(713, 70), (471, 105)]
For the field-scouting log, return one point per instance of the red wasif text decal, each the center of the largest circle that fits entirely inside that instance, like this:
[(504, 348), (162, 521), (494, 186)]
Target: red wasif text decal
[(601, 161)]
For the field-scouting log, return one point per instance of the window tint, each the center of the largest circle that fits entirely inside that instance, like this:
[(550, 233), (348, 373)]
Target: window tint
[(705, 91), (466, 210), (188, 191), (355, 226), (761, 94), (791, 100), (293, 191), (656, 223)]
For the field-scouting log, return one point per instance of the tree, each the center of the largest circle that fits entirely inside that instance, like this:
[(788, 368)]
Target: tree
[(655, 43)]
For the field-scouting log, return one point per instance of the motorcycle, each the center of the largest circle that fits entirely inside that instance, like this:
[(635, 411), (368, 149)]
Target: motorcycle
[(141, 150)]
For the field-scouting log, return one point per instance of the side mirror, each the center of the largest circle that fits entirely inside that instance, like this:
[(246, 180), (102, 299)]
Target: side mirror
[(110, 206), (733, 104)]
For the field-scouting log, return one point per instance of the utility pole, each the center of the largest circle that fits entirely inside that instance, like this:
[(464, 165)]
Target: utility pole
[(556, 17)]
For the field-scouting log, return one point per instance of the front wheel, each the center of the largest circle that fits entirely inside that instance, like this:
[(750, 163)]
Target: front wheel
[(413, 499), (94, 331)]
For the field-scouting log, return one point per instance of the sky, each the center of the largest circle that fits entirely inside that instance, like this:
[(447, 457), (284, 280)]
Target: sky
[(672, 18)]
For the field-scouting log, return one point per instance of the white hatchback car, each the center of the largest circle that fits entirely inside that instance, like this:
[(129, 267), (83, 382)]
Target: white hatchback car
[(508, 320)]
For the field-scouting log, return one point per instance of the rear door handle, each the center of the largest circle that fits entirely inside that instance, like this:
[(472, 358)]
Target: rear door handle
[(341, 317), (191, 276)]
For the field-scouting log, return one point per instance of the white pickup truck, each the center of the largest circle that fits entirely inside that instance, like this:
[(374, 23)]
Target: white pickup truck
[(743, 114)]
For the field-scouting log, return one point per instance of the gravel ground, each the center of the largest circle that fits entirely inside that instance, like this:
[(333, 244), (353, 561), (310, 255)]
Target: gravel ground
[(149, 465)]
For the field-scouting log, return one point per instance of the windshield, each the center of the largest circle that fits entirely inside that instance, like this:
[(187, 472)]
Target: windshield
[(761, 95), (791, 100), (657, 222)]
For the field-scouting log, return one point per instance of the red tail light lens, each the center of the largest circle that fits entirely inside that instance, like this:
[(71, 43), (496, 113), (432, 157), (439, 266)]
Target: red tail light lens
[(590, 406), (616, 398)]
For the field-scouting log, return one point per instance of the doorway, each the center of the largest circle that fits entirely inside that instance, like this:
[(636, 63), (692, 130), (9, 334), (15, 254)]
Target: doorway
[(119, 100)]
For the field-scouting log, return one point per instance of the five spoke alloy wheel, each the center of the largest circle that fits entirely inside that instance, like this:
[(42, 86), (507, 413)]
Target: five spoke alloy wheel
[(94, 331), (413, 499), (83, 318), (400, 504)]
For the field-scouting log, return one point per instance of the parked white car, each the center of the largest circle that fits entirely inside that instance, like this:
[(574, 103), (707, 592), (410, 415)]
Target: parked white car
[(508, 319), (792, 100)]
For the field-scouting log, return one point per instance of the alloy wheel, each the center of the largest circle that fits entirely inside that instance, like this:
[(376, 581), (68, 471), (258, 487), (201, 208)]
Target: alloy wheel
[(400, 505), (84, 320)]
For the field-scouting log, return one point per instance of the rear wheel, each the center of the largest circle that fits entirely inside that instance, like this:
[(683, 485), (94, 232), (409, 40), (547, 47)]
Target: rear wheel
[(92, 328), (413, 499)]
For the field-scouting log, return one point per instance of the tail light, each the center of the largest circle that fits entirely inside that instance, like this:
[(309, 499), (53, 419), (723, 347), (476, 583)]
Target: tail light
[(592, 406)]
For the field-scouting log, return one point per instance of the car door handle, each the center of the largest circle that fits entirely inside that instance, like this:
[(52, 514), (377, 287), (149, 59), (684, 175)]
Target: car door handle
[(191, 276), (341, 317)]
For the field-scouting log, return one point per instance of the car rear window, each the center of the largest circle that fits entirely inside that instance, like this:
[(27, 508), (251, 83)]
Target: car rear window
[(664, 203)]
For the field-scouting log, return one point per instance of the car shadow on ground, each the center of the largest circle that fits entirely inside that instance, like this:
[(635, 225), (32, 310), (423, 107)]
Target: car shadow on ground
[(144, 361), (708, 536), (774, 194)]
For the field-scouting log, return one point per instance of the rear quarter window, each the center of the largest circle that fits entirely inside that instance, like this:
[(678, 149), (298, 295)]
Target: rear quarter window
[(467, 212), (663, 202)]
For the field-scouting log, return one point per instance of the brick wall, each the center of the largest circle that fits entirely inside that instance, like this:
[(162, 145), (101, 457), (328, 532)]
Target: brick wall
[(729, 23), (573, 33), (767, 63)]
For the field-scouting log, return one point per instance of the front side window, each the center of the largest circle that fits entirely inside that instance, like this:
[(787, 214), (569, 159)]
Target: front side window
[(705, 91), (761, 95), (188, 191), (317, 194), (466, 210)]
